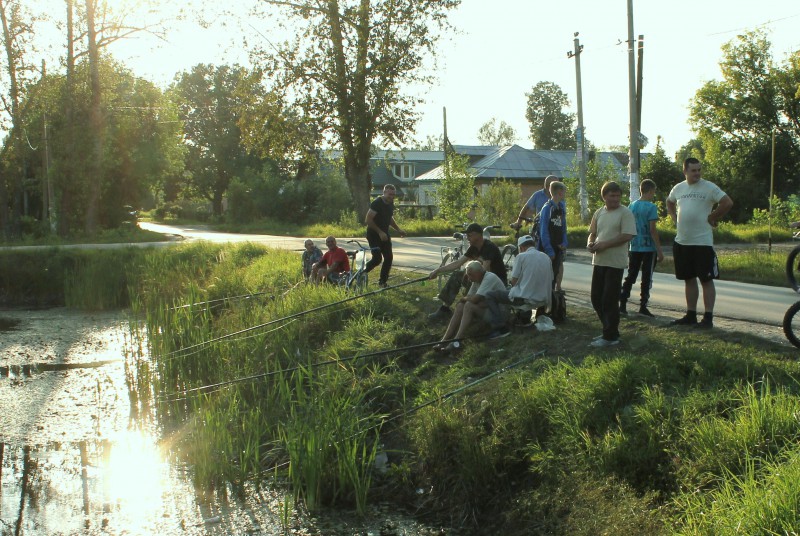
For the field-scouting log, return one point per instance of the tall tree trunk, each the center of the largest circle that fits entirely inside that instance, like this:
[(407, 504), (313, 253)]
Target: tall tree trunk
[(360, 183), (12, 224), (66, 182), (96, 122)]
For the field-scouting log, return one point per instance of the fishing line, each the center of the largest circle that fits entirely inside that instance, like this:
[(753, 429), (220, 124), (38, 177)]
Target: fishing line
[(232, 298), (441, 398), (289, 317), (215, 387)]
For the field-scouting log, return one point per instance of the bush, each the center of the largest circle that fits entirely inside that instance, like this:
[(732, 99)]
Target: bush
[(499, 204), (255, 196)]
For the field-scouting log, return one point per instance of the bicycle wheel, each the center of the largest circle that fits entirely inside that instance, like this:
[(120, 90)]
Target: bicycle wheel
[(359, 284), (793, 269), (442, 279), (509, 253), (791, 324)]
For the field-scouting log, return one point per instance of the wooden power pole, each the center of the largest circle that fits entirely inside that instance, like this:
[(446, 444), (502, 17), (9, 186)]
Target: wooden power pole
[(583, 194)]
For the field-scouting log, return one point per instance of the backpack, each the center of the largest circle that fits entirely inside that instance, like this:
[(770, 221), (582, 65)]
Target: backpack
[(558, 307), (535, 230)]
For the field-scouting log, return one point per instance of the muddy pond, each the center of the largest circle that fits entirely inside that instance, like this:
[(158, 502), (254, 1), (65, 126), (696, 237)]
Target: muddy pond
[(76, 460)]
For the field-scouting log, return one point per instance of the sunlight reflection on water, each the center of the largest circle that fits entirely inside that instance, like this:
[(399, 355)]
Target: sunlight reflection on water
[(74, 460)]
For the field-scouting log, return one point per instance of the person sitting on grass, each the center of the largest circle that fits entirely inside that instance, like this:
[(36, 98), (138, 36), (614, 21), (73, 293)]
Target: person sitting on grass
[(480, 249), (333, 265), (472, 306), (311, 256), (531, 285)]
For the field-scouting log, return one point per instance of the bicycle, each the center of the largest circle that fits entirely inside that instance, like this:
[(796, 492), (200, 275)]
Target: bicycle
[(453, 253), (510, 251), (356, 279), (793, 267), (793, 275)]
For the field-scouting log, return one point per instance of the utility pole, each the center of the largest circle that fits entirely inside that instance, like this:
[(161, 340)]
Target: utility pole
[(583, 195), (640, 59), (445, 142), (633, 164)]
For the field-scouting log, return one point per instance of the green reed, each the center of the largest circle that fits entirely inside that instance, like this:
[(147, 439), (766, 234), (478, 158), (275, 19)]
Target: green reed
[(316, 421)]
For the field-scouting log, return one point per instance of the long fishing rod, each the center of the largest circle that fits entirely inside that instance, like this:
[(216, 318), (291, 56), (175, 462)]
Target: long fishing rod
[(441, 398), (454, 392), (217, 386), (295, 315), (231, 298)]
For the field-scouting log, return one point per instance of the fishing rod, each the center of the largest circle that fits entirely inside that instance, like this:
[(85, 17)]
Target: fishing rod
[(231, 298), (454, 392), (295, 315), (218, 386), (441, 398)]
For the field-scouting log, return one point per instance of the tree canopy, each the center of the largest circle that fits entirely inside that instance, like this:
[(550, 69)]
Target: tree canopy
[(494, 133), (735, 118), (213, 98), (142, 147), (349, 66), (550, 126)]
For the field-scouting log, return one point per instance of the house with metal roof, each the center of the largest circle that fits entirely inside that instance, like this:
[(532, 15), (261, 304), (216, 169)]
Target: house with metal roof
[(526, 167), (402, 166)]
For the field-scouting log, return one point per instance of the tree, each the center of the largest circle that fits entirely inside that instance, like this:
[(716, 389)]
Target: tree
[(660, 169), (735, 119), (551, 127), (17, 33), (101, 26), (213, 99), (274, 131), (431, 143), (348, 64), (491, 133), (499, 204), (143, 144), (456, 192)]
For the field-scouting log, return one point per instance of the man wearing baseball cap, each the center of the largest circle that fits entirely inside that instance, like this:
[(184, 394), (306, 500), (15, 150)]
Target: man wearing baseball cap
[(480, 249), (531, 284)]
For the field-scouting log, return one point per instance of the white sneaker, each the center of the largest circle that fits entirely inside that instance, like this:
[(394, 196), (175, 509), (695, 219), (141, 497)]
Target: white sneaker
[(602, 343)]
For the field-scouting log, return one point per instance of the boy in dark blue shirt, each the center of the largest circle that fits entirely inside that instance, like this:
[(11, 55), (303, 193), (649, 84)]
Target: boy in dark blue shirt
[(553, 229)]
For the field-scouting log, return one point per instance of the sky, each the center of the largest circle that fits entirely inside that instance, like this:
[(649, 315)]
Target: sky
[(502, 48)]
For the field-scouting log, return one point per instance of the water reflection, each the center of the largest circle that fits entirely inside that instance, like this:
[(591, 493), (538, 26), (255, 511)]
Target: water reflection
[(123, 485), (75, 460)]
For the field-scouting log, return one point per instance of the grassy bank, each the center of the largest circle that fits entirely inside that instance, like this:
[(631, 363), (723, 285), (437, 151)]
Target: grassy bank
[(671, 432)]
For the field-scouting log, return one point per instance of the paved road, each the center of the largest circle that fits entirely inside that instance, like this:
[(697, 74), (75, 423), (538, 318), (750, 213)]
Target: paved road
[(759, 304)]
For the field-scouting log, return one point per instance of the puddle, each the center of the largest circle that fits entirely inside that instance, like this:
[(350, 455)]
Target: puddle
[(74, 459), (8, 324)]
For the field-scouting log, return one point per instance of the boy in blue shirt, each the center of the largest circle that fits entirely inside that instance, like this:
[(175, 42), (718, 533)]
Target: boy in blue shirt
[(553, 229), (645, 248)]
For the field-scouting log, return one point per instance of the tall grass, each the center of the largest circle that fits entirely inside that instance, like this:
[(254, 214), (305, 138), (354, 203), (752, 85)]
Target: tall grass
[(315, 421)]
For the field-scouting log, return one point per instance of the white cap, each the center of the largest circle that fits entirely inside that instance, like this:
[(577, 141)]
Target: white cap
[(525, 239)]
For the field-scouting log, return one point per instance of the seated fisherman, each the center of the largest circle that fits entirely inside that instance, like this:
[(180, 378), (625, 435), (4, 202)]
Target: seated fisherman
[(471, 307), (531, 284)]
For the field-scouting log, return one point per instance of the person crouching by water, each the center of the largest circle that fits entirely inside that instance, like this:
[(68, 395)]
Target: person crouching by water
[(472, 306), (333, 265)]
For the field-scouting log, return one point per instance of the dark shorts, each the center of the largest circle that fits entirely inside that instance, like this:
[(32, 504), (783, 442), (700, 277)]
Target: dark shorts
[(336, 277), (695, 261)]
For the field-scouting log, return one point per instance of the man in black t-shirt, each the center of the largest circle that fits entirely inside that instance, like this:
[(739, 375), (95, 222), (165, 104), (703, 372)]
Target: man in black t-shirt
[(380, 217), (480, 249)]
